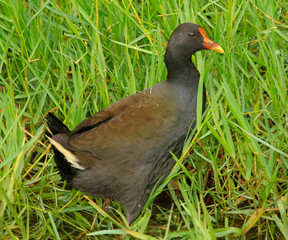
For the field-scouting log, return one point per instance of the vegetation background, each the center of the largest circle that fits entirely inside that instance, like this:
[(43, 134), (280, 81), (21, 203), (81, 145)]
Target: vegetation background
[(77, 57)]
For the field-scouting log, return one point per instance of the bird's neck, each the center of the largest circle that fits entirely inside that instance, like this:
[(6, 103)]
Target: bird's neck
[(180, 67)]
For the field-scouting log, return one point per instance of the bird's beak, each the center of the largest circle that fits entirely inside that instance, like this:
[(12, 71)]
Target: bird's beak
[(209, 44)]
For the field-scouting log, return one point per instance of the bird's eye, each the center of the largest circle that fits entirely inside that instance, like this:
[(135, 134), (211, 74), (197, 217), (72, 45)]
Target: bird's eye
[(193, 34)]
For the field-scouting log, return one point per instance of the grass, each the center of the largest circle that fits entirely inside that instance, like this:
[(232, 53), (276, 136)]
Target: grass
[(77, 57)]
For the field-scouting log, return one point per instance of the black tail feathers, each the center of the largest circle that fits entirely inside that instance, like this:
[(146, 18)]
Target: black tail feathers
[(54, 125), (66, 171)]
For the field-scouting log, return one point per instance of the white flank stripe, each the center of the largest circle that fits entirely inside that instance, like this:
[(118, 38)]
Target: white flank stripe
[(70, 157)]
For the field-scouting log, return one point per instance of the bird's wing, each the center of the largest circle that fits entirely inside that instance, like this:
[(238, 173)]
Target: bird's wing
[(92, 122), (125, 131)]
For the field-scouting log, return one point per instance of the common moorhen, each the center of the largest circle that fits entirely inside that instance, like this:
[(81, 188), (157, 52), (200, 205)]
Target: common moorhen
[(124, 150)]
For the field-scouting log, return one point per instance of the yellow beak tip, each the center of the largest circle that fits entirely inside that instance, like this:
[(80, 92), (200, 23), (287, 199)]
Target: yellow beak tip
[(218, 49)]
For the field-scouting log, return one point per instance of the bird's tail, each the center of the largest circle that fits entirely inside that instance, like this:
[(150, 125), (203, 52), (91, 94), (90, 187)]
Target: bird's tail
[(54, 127)]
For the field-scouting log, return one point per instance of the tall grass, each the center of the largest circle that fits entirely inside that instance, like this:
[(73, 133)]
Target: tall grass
[(77, 57)]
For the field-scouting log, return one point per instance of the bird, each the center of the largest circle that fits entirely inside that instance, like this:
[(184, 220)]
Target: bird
[(123, 151)]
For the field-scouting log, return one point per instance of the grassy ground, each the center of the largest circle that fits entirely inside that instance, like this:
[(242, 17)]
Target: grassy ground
[(77, 57)]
